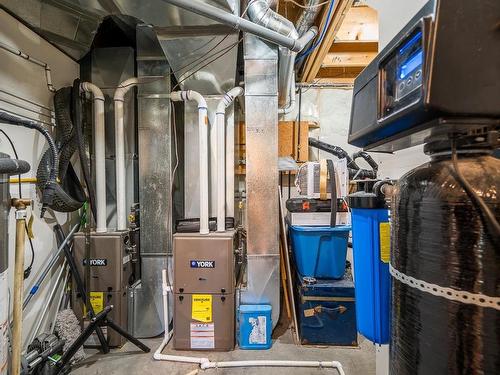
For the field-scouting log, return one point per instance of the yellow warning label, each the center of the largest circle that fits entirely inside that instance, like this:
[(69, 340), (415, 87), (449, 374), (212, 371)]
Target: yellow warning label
[(201, 310), (385, 242), (97, 302)]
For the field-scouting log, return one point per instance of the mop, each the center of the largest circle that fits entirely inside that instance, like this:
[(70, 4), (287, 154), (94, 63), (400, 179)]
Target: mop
[(68, 329)]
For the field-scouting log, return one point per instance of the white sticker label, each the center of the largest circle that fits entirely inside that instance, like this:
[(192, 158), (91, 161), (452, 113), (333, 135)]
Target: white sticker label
[(126, 259), (202, 335), (258, 333)]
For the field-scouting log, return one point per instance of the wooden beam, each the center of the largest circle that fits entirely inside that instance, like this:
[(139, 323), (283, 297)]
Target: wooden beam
[(348, 59), (315, 59), (360, 23), (334, 81), (339, 72), (353, 46)]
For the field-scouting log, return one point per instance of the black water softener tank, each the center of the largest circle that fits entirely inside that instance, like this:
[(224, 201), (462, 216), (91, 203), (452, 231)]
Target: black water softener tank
[(442, 236)]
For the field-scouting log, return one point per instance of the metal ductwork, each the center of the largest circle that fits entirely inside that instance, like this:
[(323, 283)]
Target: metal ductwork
[(260, 12), (308, 16), (261, 120)]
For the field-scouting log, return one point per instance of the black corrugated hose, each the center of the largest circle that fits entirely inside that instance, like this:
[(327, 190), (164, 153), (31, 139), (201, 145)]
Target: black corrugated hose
[(48, 192), (339, 152), (76, 115), (67, 195)]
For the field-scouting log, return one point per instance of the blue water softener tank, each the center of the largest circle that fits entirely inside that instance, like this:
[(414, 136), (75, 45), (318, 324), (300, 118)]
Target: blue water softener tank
[(255, 326), (371, 253)]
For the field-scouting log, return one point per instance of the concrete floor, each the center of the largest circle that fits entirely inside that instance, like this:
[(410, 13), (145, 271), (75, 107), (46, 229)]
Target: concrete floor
[(129, 360)]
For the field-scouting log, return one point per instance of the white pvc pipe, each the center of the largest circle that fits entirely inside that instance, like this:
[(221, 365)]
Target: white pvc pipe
[(100, 154), (205, 363), (291, 94), (203, 150), (220, 121), (121, 200), (274, 363)]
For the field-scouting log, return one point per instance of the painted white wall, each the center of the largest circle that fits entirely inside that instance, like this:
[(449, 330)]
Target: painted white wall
[(393, 15), (27, 81), (331, 109)]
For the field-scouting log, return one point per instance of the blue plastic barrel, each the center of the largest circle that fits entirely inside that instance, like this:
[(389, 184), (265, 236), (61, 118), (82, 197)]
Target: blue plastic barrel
[(320, 252), (255, 326), (371, 272)]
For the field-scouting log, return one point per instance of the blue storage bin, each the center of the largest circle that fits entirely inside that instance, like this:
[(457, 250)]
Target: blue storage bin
[(255, 326), (327, 312), (371, 273), (320, 252)]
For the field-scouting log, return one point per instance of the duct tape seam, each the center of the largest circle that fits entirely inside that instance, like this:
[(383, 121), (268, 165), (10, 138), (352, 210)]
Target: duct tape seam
[(477, 299)]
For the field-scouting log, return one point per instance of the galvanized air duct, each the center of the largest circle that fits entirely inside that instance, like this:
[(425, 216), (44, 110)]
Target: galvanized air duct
[(261, 120), (260, 12), (216, 14), (307, 17)]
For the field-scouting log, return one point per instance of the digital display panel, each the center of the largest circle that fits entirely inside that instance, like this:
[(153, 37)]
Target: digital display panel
[(410, 65)]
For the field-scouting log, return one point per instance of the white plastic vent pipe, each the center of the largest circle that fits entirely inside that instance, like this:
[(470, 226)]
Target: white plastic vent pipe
[(203, 150), (121, 200), (220, 123), (205, 363), (100, 154)]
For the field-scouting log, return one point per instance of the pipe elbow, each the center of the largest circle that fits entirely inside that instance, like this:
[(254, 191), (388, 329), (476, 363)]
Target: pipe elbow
[(93, 89), (179, 96), (197, 97), (304, 40), (228, 98), (124, 87)]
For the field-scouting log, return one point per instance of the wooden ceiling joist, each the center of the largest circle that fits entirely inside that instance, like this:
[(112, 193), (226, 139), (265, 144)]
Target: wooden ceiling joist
[(315, 59), (340, 46), (339, 72)]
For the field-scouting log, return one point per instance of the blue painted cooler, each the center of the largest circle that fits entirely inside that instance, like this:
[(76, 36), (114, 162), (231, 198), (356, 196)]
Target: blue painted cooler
[(320, 252), (254, 327), (371, 252), (327, 312)]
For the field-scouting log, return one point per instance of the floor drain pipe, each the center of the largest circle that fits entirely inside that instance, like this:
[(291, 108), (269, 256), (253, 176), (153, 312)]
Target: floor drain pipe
[(206, 364), (203, 150), (220, 121), (100, 154), (121, 200)]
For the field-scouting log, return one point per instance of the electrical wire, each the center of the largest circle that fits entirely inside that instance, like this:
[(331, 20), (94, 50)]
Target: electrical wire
[(223, 52), (487, 215), (307, 6), (195, 62), (322, 34), (27, 271)]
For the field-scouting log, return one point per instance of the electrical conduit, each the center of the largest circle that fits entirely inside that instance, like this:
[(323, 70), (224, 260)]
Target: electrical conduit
[(220, 121), (100, 151), (121, 201), (205, 363), (203, 149)]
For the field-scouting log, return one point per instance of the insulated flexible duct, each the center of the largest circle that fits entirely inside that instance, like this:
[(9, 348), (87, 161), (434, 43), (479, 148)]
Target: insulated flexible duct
[(76, 116), (69, 195)]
